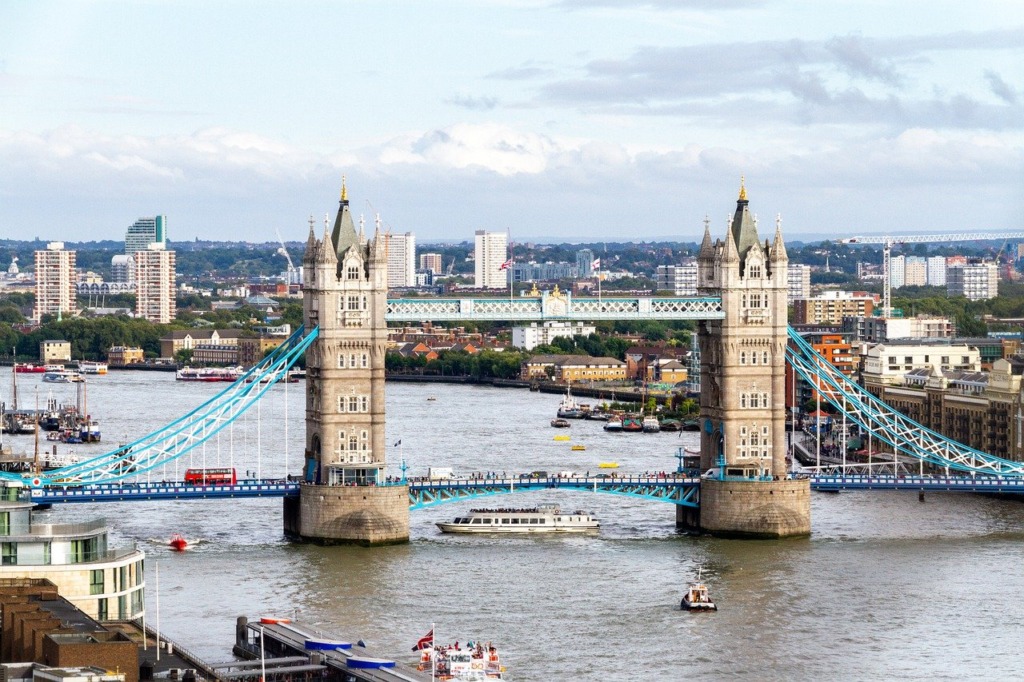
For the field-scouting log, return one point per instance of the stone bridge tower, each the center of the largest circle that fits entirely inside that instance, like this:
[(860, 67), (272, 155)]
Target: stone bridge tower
[(343, 499), (743, 411)]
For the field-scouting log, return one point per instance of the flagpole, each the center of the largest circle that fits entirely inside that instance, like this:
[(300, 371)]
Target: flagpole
[(508, 238)]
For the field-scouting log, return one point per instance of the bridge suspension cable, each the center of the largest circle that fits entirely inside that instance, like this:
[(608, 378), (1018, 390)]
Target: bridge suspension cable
[(185, 433), (902, 433)]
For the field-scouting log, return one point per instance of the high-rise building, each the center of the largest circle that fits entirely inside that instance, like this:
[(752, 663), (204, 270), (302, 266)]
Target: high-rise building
[(915, 271), (799, 281), (154, 284), (491, 253), (431, 261), (122, 269), (832, 306), (937, 271), (401, 250), (585, 263), (55, 281), (975, 281), (145, 231), (897, 271), (681, 280)]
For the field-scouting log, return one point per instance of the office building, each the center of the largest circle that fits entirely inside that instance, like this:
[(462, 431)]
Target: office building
[(491, 254), (431, 261), (143, 232), (154, 284), (401, 250), (681, 280), (55, 281), (975, 281), (799, 281)]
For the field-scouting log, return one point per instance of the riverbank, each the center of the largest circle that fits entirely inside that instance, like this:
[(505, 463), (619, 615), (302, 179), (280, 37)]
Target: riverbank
[(606, 393)]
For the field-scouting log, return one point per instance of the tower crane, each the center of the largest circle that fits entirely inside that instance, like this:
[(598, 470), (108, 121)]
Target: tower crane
[(888, 240), (284, 252)]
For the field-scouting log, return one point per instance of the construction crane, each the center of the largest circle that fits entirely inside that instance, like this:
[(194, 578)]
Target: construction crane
[(284, 252), (888, 240)]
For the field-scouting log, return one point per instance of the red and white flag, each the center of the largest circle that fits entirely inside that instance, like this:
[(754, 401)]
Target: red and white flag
[(426, 641), (506, 265), (596, 264)]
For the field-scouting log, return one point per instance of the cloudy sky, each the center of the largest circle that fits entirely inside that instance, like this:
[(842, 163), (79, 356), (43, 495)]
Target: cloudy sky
[(558, 120)]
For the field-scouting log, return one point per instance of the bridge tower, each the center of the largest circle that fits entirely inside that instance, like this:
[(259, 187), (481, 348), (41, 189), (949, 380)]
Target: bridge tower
[(743, 411), (342, 500)]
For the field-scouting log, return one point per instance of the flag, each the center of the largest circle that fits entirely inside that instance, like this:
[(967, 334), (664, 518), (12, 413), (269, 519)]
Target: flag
[(596, 264), (506, 265), (398, 442), (426, 641)]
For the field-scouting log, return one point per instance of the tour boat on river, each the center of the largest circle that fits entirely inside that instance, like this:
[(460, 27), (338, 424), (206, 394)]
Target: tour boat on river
[(544, 518), (28, 368), (474, 663), (91, 367)]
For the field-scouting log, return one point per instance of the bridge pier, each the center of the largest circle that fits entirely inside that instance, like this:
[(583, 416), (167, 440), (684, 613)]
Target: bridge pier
[(755, 509), (348, 515)]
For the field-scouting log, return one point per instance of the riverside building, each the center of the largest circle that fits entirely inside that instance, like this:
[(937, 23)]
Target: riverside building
[(55, 281)]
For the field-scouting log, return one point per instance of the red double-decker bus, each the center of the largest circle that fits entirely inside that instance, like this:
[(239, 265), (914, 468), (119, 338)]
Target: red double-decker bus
[(210, 476)]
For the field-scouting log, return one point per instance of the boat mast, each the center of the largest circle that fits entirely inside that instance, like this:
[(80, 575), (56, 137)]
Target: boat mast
[(35, 457)]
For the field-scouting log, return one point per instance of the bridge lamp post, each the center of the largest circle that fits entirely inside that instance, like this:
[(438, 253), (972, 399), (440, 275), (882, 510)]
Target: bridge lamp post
[(263, 658)]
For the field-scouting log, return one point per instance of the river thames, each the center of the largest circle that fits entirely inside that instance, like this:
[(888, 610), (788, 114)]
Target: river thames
[(885, 587)]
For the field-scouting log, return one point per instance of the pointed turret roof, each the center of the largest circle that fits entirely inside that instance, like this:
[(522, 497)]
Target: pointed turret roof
[(778, 246), (327, 253), (310, 255), (707, 248), (344, 234), (729, 253), (744, 228)]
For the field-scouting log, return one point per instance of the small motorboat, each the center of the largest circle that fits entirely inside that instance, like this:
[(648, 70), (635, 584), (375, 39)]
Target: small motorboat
[(177, 543), (431, 399), (560, 423), (697, 597)]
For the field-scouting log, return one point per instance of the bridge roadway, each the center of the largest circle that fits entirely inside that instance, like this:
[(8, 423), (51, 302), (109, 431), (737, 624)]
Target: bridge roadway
[(677, 489)]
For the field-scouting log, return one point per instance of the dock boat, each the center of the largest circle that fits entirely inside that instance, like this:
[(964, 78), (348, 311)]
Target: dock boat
[(614, 423), (560, 423), (28, 368), (697, 597), (650, 424), (569, 408), (544, 518), (62, 377)]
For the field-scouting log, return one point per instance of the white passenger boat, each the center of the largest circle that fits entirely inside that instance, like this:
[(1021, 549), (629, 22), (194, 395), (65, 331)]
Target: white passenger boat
[(90, 367), (476, 662), (697, 598), (62, 377), (544, 518)]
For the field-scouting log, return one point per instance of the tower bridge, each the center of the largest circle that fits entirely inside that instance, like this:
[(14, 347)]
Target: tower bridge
[(344, 496)]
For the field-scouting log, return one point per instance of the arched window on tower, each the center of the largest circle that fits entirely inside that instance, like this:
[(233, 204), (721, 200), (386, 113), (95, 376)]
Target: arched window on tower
[(352, 272)]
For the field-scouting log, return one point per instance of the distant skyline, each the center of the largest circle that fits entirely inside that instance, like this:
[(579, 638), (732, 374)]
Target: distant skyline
[(559, 120)]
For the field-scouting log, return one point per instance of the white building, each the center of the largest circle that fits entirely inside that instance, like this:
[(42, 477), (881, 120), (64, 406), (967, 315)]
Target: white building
[(799, 281), (105, 583), (897, 271), (887, 364), (154, 284), (532, 336), (55, 281), (976, 281), (679, 279), (880, 329), (122, 269), (401, 249), (490, 253), (143, 232), (937, 271)]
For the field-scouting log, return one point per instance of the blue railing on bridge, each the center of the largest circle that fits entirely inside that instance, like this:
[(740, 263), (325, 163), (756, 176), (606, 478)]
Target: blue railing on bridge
[(937, 483), (164, 490)]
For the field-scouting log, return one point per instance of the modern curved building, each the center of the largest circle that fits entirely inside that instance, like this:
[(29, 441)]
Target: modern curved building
[(105, 583)]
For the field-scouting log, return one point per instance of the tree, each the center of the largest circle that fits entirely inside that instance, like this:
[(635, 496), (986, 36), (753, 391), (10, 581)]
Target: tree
[(183, 356)]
